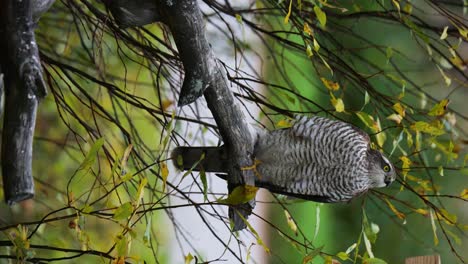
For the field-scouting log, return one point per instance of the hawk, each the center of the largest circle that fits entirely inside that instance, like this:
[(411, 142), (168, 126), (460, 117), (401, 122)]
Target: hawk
[(315, 159)]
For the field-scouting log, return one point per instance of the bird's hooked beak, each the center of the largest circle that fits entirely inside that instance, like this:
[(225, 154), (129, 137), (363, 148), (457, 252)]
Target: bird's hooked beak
[(388, 181)]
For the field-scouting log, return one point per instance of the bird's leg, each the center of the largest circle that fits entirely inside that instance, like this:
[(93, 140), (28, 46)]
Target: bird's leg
[(253, 167)]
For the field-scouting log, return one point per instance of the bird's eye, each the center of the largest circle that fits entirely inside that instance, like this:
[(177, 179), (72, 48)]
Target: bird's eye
[(386, 168)]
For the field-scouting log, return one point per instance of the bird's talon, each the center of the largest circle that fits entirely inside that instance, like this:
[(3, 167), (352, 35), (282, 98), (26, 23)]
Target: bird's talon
[(254, 168)]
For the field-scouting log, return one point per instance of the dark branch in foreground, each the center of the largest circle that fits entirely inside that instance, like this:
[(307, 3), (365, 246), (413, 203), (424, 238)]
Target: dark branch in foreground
[(24, 86)]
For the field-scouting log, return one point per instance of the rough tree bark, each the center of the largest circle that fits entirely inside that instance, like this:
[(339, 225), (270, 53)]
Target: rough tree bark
[(203, 75), (23, 87)]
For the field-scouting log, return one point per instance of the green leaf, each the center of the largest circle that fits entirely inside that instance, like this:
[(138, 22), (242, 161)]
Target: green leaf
[(371, 233), (92, 154), (127, 177), (123, 212), (416, 29), (204, 182), (367, 120), (321, 16), (122, 246), (366, 99), (147, 235), (389, 52), (440, 169), (87, 209)]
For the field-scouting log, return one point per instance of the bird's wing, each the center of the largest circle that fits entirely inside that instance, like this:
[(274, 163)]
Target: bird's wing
[(281, 190), (307, 127)]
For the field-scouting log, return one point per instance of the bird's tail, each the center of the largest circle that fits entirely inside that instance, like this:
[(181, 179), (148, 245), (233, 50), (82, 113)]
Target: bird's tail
[(212, 159)]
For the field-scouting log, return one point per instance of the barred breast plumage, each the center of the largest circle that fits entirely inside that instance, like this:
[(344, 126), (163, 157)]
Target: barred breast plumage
[(316, 159)]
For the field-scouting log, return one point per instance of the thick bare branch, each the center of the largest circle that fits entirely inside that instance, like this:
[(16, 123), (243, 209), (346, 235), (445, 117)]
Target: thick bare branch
[(202, 71), (24, 86)]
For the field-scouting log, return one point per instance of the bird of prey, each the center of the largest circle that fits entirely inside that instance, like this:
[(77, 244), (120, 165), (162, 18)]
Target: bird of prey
[(315, 159)]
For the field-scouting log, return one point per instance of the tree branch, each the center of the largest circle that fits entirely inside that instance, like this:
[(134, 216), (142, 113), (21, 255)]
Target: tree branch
[(202, 71), (24, 86)]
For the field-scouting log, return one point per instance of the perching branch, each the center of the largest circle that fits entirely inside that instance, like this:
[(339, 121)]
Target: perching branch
[(203, 75), (202, 72)]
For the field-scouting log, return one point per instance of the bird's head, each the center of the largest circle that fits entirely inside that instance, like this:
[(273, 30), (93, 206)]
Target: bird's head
[(381, 170)]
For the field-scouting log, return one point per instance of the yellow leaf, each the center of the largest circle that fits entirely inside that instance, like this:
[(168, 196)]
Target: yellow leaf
[(321, 16), (459, 63), (395, 117), (316, 45), (165, 104), (241, 194), (164, 174), (309, 51), (399, 109), (307, 29), (434, 228), (331, 85), (447, 217), (337, 103), (463, 32), (394, 210), (188, 258), (421, 126), (408, 8), (439, 108), (421, 211), (286, 18), (291, 222), (464, 194), (406, 165), (284, 123), (342, 255), (444, 33), (239, 18), (380, 136), (397, 5), (254, 232)]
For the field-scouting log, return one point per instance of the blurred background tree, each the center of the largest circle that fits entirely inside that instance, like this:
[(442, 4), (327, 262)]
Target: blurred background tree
[(106, 191)]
